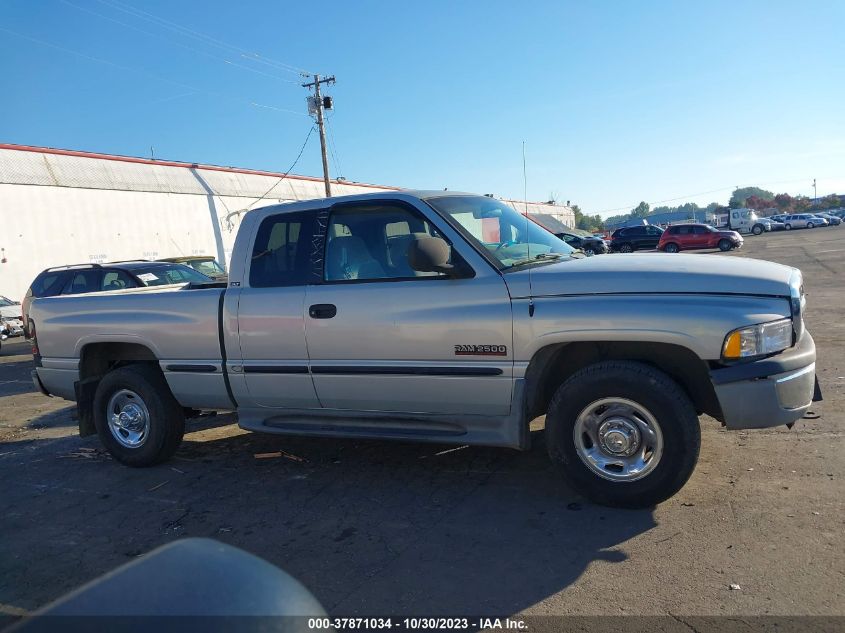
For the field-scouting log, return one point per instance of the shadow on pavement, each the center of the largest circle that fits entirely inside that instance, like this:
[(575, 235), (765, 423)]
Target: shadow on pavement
[(370, 527), (15, 379)]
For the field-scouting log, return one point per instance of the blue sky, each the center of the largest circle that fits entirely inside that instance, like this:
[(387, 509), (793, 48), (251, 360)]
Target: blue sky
[(616, 101)]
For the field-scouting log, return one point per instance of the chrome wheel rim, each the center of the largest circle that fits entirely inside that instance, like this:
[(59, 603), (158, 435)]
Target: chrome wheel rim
[(129, 418), (618, 439)]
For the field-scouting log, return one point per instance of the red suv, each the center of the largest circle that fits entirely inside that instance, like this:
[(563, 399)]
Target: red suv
[(681, 237)]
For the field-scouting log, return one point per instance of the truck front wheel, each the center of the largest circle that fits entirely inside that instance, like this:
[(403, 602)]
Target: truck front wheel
[(757, 230), (137, 418), (623, 433)]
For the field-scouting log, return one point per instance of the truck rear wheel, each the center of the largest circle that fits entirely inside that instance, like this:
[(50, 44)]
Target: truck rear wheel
[(623, 433), (137, 418)]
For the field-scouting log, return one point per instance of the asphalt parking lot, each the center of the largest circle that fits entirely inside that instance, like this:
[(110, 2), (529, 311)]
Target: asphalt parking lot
[(390, 528)]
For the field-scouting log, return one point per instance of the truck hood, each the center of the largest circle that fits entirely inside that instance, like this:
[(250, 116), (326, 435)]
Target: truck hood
[(655, 273)]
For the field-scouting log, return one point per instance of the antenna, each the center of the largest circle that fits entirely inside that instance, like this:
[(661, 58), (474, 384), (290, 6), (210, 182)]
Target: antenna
[(527, 239)]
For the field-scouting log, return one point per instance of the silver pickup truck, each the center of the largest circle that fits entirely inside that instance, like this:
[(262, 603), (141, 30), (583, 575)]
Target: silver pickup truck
[(444, 317)]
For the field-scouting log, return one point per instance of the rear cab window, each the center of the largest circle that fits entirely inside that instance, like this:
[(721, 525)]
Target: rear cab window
[(281, 253)]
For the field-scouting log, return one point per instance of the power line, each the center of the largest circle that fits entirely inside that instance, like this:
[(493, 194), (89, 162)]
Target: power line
[(290, 169), (333, 148), (179, 44), (196, 35), (142, 72)]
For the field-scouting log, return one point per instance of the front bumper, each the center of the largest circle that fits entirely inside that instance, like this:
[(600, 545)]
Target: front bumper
[(770, 392)]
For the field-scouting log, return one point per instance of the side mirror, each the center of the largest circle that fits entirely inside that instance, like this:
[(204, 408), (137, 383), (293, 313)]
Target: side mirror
[(428, 254)]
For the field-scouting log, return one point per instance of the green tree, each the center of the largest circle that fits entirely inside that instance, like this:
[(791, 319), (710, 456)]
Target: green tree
[(641, 210), (586, 222), (831, 202), (742, 194), (617, 219)]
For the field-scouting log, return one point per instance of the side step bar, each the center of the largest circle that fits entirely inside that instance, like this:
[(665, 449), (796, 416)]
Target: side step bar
[(354, 427)]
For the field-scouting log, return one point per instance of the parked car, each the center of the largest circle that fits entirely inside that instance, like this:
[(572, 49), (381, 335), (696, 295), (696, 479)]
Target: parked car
[(85, 278), (205, 264), (11, 322), (772, 225), (590, 244), (682, 237), (802, 221), (441, 317), (635, 238), (778, 218), (832, 219)]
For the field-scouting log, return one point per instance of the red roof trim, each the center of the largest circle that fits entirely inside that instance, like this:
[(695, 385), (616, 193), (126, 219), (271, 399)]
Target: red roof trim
[(169, 163)]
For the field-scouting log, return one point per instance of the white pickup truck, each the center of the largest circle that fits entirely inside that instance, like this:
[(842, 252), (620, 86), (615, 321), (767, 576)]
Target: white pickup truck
[(436, 316)]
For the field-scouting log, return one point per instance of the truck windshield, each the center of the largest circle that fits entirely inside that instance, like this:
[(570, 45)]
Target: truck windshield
[(510, 238), (172, 274)]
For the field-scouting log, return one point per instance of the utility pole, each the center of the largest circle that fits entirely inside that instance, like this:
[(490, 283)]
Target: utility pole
[(318, 106), (815, 193)]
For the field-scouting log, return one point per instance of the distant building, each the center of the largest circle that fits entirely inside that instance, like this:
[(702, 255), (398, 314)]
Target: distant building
[(69, 207), (560, 216), (65, 207), (549, 222)]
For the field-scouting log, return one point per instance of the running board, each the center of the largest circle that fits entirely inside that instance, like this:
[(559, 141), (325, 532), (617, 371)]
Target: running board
[(354, 427)]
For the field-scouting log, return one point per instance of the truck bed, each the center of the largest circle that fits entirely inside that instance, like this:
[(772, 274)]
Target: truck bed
[(179, 325)]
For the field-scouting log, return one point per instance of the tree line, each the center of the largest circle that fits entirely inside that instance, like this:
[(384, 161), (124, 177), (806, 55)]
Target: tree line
[(742, 197)]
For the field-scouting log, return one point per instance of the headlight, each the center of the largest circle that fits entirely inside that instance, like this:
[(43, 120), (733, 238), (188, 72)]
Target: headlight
[(758, 340)]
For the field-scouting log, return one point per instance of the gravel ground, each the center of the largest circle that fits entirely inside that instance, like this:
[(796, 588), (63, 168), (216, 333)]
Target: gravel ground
[(375, 528)]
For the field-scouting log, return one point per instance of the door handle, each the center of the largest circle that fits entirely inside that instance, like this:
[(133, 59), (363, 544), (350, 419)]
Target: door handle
[(322, 311)]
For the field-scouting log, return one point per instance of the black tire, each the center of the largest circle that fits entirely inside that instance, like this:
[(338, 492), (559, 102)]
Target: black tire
[(589, 252), (166, 417), (788, 227), (671, 247), (649, 388), (626, 248), (757, 230), (725, 245)]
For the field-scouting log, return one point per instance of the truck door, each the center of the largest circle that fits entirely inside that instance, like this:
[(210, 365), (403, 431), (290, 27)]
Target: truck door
[(271, 328), (383, 337), (739, 221)]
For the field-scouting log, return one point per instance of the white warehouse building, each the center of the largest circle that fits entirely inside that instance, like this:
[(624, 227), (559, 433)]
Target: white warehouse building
[(60, 207)]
